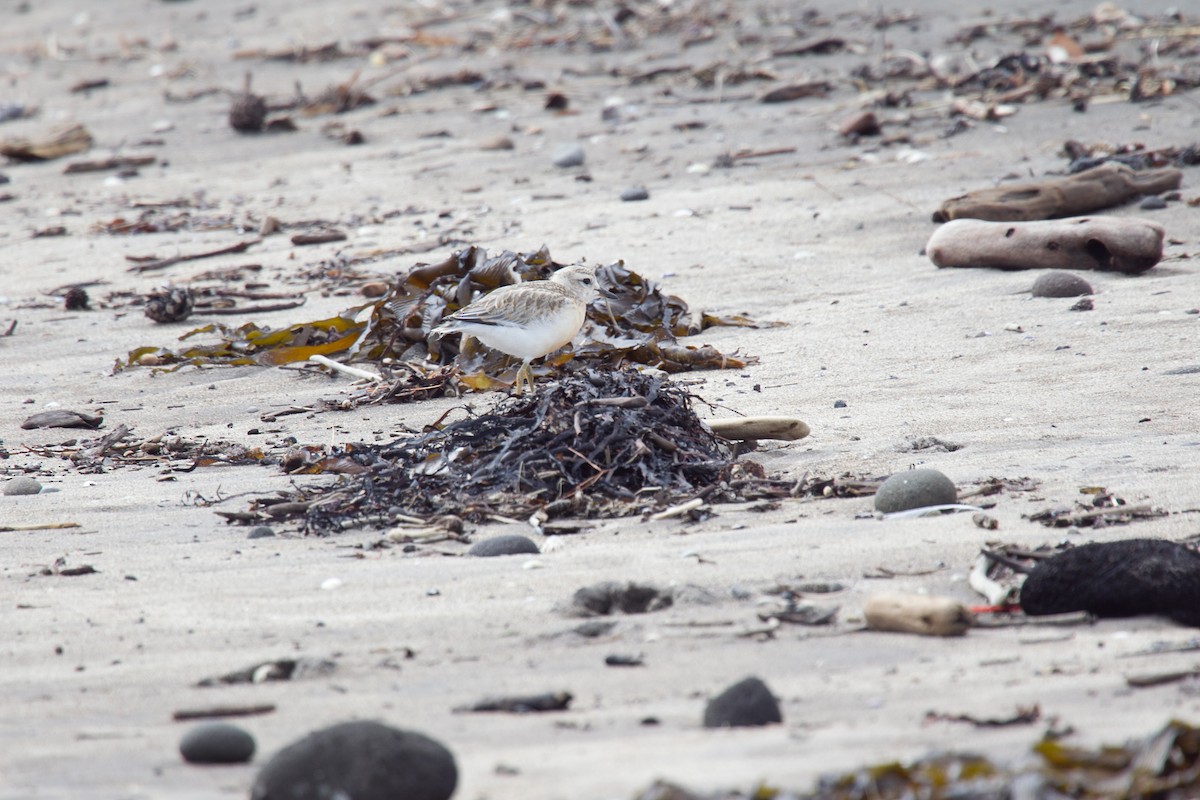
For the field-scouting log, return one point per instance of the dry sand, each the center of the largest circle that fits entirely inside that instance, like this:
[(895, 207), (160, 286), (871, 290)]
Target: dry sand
[(826, 239)]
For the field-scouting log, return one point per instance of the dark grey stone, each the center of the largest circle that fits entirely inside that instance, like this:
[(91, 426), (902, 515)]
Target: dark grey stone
[(748, 703), (634, 193), (1058, 283), (508, 545), (915, 488), (360, 760), (260, 532), (216, 743)]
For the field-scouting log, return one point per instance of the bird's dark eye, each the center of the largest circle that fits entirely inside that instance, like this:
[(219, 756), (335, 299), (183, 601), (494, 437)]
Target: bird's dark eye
[(587, 281)]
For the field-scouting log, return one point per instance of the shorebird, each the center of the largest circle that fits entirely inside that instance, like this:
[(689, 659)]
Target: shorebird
[(529, 319)]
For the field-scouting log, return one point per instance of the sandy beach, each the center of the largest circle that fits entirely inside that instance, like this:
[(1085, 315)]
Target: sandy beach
[(800, 226)]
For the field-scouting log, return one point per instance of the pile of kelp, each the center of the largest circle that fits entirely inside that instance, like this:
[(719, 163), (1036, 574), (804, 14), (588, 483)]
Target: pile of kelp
[(593, 444), (640, 325)]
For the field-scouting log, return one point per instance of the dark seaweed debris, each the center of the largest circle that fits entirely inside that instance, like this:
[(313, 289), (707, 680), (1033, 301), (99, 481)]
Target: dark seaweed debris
[(1162, 766), (1118, 579), (593, 444)]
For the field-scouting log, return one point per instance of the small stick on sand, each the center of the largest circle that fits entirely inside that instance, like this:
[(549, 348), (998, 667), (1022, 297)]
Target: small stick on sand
[(366, 375)]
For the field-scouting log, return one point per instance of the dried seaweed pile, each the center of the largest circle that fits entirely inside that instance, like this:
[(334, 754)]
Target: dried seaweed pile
[(1164, 765), (641, 324), (598, 444)]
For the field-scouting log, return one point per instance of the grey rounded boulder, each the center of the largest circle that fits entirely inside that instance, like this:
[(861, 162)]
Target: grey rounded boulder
[(1059, 283), (746, 704), (22, 484), (362, 760), (508, 545), (216, 743), (915, 488)]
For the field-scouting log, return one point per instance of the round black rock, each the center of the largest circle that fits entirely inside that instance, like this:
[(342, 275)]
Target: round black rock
[(1118, 579), (916, 488), (216, 743), (361, 760), (507, 545), (1058, 283), (746, 704)]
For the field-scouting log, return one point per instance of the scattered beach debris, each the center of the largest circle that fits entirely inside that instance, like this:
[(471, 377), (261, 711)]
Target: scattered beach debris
[(1105, 186), (219, 712), (613, 597), (62, 418), (63, 140), (1110, 244), (283, 669), (1022, 716), (1164, 765), (641, 325), (573, 447), (170, 304), (520, 704), (914, 613)]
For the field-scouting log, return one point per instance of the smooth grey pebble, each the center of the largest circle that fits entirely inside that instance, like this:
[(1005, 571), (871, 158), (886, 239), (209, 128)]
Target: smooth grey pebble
[(839, 403), (635, 193), (748, 703), (260, 532), (508, 545), (915, 488), (216, 743), (568, 155), (1152, 203), (364, 760), (22, 485), (1058, 283)]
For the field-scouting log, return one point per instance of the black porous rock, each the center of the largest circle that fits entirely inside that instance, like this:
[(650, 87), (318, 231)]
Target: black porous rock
[(746, 704), (613, 597), (360, 760), (1060, 283), (216, 743), (76, 299), (248, 113), (915, 488), (1118, 579), (170, 304), (507, 545)]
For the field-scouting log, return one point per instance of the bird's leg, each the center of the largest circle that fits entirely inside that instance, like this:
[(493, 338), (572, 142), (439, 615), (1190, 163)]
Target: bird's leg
[(523, 376)]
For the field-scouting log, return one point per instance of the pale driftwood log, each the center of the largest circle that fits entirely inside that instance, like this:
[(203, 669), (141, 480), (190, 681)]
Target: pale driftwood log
[(1104, 186), (916, 613), (747, 429), (1117, 244)]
